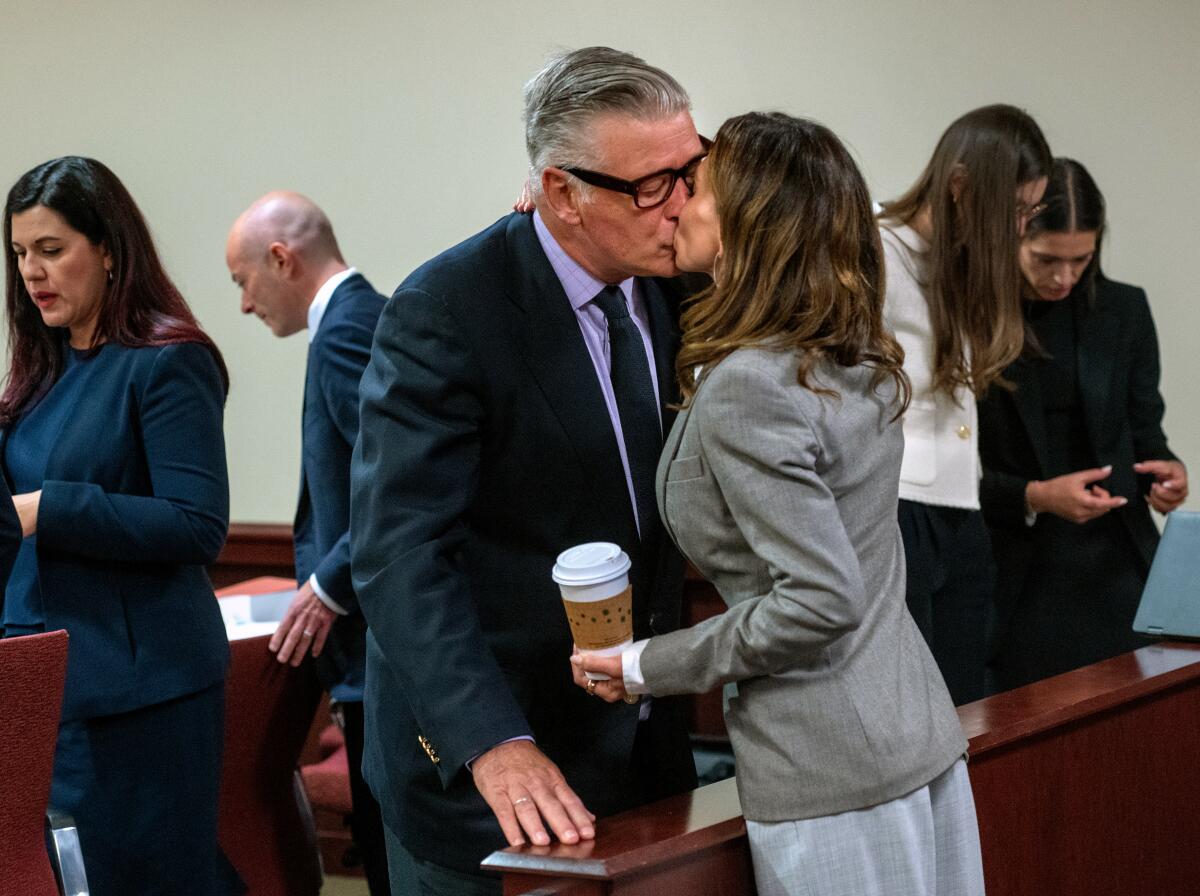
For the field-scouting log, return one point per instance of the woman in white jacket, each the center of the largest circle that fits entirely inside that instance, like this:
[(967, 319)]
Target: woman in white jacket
[(953, 300)]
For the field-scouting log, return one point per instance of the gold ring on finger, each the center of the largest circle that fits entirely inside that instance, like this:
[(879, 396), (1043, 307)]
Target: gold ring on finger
[(591, 688)]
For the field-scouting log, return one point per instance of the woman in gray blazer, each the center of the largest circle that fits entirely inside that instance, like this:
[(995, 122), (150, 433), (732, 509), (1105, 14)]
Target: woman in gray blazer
[(779, 481)]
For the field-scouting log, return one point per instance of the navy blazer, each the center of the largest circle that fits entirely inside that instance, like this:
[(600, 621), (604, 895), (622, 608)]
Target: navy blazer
[(339, 352), (10, 535), (134, 506), (485, 450), (1118, 370)]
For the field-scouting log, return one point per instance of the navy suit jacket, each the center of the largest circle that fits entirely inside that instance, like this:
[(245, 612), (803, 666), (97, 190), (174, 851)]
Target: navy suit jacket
[(135, 504), (10, 535), (339, 352), (486, 449)]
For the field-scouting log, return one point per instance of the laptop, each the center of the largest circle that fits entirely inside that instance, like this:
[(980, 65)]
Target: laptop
[(1170, 606)]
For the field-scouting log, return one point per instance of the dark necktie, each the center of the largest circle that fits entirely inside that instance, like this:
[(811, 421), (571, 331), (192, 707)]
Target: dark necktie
[(637, 403)]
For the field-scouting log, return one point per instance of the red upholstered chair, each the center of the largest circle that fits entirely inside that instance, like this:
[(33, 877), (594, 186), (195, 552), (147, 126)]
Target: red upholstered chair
[(265, 825), (32, 670), (327, 783)]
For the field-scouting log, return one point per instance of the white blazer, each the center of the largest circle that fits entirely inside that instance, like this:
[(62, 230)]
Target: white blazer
[(941, 434)]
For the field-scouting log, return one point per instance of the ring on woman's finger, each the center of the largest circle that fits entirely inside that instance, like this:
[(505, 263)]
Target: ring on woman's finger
[(308, 633), (591, 687), (523, 799)]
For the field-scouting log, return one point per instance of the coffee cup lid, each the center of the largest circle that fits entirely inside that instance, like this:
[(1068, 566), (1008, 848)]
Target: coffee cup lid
[(590, 564)]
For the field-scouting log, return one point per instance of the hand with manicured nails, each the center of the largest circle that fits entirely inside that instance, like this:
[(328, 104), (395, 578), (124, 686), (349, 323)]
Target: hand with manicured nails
[(1170, 487), (1074, 496), (610, 691)]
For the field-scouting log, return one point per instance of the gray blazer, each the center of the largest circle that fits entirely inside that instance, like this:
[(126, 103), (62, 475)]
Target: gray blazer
[(785, 500)]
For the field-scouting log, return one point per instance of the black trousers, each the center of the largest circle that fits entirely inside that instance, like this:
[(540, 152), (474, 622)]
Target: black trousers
[(1076, 602), (951, 580), (366, 824)]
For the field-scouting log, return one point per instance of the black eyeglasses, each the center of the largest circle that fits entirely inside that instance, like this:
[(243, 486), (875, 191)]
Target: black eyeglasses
[(650, 191)]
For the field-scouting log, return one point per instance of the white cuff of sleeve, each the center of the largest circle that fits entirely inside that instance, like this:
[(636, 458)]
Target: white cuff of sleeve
[(325, 598), (631, 668)]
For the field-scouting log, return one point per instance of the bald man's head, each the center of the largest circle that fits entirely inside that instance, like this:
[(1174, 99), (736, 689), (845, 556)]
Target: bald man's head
[(279, 252)]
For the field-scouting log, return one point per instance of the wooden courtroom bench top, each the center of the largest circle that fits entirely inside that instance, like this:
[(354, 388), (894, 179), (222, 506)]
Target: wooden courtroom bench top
[(1084, 783)]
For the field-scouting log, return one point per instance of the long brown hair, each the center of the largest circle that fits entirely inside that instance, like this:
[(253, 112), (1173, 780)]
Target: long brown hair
[(801, 265), (974, 278), (141, 307)]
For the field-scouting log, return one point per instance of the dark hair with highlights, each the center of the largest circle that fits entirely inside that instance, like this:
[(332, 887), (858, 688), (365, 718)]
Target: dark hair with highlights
[(974, 283), (801, 266), (141, 306)]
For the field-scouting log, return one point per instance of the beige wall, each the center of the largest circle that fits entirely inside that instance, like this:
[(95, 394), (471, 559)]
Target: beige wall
[(404, 121)]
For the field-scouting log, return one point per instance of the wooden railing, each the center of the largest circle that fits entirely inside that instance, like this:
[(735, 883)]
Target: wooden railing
[(1085, 784)]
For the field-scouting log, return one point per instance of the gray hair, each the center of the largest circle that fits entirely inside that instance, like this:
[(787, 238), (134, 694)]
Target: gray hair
[(574, 88)]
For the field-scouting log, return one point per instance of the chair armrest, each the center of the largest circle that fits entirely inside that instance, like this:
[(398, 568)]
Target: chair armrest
[(62, 842)]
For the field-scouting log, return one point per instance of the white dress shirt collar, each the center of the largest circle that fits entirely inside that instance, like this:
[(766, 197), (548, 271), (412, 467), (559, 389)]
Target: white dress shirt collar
[(320, 301)]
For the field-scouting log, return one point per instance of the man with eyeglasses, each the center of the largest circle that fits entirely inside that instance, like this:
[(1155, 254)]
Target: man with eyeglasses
[(514, 406)]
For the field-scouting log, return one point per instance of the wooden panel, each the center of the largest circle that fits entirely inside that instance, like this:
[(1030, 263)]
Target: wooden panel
[(253, 550), (1084, 784), (692, 843)]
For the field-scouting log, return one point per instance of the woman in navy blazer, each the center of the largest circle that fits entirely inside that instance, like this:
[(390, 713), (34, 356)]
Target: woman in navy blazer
[(112, 447)]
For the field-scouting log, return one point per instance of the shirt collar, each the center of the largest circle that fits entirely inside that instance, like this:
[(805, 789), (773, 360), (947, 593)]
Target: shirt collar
[(580, 286), (316, 310)]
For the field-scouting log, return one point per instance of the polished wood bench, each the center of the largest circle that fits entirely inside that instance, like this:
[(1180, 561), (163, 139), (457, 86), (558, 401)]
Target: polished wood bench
[(1085, 784)]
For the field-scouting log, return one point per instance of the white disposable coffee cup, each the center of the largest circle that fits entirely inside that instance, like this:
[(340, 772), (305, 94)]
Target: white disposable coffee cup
[(593, 578)]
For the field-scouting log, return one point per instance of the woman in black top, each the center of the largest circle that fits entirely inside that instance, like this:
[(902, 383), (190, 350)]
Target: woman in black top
[(1074, 456)]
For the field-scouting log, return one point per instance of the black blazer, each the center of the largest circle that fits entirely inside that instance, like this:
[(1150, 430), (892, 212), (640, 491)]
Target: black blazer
[(135, 505), (1118, 371), (485, 450), (337, 356)]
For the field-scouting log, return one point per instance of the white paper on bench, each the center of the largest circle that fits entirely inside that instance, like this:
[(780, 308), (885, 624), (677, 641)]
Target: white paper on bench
[(251, 616)]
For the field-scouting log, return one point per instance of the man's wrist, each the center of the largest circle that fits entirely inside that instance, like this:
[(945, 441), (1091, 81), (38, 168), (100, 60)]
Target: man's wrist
[(325, 598), (511, 740)]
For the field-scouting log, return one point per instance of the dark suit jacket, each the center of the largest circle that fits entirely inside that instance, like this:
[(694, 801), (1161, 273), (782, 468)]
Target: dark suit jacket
[(339, 352), (1118, 371), (10, 535), (134, 506), (485, 450)]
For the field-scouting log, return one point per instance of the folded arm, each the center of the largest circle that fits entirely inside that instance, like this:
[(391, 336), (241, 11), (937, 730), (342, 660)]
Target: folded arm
[(185, 517), (764, 454)]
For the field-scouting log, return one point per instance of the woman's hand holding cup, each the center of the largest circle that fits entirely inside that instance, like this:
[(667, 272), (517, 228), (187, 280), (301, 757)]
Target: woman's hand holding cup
[(611, 690)]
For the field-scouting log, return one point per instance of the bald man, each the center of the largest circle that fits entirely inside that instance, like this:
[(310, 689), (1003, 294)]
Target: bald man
[(284, 257)]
